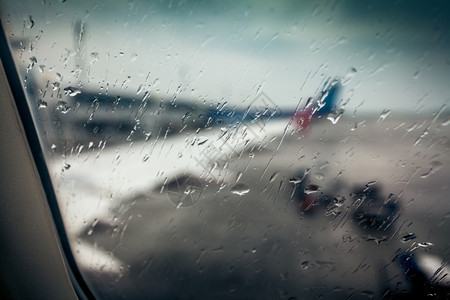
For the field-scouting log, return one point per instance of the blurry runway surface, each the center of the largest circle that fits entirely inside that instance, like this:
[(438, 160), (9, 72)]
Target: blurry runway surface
[(253, 238)]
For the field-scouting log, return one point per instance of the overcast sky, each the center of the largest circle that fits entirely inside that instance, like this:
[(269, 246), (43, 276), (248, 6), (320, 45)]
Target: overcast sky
[(389, 55)]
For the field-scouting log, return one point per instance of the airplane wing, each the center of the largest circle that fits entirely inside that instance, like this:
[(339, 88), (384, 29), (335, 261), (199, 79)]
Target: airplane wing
[(91, 184), (88, 183)]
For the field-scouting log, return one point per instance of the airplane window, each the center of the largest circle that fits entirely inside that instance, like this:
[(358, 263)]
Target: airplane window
[(251, 149)]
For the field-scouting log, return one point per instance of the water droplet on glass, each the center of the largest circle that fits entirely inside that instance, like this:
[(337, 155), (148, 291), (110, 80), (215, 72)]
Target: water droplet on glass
[(338, 201), (41, 103), (435, 166), (201, 141), (91, 229), (240, 189), (324, 165), (238, 176), (33, 61), (80, 149), (274, 176), (425, 244), (369, 184), (71, 91), (377, 239), (295, 180), (311, 189), (58, 77), (185, 117), (94, 57), (221, 106), (334, 117), (55, 85), (29, 22), (63, 107), (41, 68), (384, 114), (305, 265), (408, 237)]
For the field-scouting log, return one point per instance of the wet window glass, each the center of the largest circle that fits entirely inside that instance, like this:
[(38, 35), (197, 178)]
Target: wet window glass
[(252, 149)]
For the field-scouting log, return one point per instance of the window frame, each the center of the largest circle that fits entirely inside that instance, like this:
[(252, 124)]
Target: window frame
[(38, 258)]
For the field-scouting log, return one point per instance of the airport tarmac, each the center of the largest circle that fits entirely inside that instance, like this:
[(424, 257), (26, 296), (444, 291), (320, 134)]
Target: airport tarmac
[(252, 238)]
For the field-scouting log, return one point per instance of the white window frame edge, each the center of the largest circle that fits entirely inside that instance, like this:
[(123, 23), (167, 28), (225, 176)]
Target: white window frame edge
[(32, 263)]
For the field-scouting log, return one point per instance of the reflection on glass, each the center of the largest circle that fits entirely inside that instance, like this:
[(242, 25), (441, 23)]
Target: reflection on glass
[(250, 150)]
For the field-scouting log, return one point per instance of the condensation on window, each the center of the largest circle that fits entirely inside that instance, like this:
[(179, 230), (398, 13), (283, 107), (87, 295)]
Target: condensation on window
[(261, 150)]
